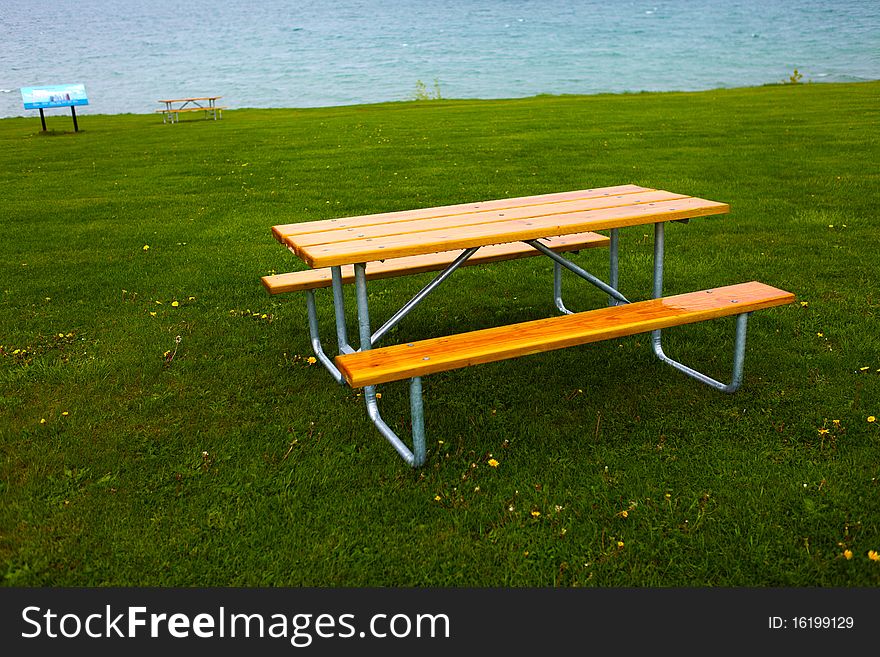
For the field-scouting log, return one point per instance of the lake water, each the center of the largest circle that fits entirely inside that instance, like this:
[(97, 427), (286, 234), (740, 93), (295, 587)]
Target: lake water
[(308, 53)]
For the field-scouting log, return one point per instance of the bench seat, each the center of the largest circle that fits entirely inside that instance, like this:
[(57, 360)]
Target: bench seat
[(317, 278), (404, 361), (190, 109)]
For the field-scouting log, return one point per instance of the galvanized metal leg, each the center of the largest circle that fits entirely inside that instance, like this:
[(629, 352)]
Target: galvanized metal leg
[(339, 310), (557, 289), (739, 349), (363, 309), (417, 416), (568, 264), (416, 456), (659, 248), (612, 278), (739, 352), (613, 262), (316, 340)]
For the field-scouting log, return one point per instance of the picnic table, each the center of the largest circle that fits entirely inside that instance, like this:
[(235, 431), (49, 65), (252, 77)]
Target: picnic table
[(173, 107), (358, 249)]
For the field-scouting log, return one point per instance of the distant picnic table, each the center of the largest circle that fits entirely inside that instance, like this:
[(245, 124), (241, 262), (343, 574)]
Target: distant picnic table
[(173, 107)]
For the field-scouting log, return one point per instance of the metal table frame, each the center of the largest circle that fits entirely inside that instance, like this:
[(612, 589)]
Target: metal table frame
[(368, 339)]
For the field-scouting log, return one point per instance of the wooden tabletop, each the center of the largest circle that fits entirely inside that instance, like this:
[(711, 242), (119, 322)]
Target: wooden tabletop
[(416, 232), (187, 100)]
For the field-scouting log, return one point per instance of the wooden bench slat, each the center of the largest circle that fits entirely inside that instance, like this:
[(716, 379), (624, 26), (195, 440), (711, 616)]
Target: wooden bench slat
[(287, 230), (398, 246), (189, 109), (339, 235), (318, 278), (461, 350)]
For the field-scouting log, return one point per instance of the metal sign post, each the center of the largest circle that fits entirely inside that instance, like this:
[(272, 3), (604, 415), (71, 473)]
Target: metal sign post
[(60, 95)]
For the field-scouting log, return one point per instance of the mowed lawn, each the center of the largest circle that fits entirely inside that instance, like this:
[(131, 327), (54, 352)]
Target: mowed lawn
[(161, 423)]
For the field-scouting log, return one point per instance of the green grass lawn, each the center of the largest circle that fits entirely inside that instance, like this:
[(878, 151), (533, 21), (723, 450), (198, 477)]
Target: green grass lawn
[(161, 423)]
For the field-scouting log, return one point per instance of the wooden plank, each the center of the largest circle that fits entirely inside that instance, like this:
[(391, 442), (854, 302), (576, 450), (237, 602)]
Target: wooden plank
[(188, 100), (317, 278), (499, 343), (398, 246), (190, 109), (287, 230), (338, 235)]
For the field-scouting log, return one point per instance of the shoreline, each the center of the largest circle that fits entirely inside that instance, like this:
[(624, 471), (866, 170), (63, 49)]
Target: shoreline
[(84, 110)]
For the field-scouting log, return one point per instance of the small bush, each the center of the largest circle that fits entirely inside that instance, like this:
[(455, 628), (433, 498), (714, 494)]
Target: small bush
[(423, 93)]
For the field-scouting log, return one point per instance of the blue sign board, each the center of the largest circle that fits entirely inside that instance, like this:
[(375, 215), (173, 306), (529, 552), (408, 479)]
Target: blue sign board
[(59, 95)]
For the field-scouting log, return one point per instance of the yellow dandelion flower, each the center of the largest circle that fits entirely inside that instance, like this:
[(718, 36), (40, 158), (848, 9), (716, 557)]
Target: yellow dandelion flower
[(437, 498), (42, 420), (823, 431), (311, 360), (624, 514), (64, 413), (847, 554), (619, 544), (174, 304), (146, 247), (873, 555), (536, 514), (871, 418), (493, 463), (378, 395), (820, 335), (864, 369), (804, 304), (190, 298), (836, 423), (60, 335), (152, 314)]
